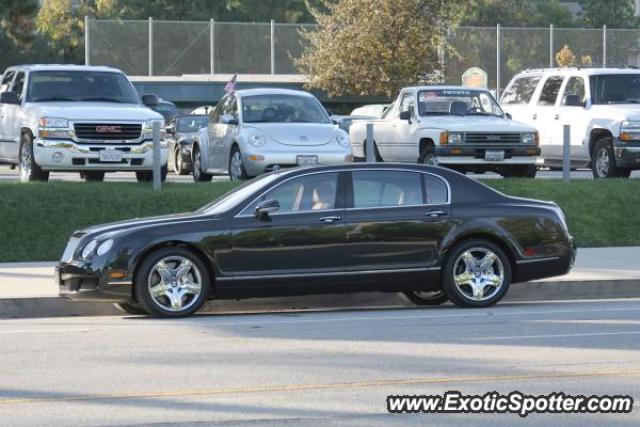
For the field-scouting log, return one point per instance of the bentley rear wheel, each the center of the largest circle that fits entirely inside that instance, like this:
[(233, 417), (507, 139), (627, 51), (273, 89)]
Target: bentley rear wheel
[(477, 273)]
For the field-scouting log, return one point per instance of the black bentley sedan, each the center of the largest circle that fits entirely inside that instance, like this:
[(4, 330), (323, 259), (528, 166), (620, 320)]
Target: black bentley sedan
[(428, 232)]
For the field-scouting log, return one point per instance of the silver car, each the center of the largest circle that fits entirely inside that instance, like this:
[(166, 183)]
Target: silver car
[(254, 131)]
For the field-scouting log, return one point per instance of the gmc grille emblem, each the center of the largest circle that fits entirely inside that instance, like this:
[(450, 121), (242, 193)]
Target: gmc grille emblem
[(108, 129)]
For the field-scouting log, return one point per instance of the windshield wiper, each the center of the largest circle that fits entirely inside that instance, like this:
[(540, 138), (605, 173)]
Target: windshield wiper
[(53, 98), (103, 98)]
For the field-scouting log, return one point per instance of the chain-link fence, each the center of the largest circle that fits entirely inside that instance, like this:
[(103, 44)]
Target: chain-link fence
[(170, 48)]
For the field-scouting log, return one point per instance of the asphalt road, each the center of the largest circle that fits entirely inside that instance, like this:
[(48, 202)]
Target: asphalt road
[(318, 368), (8, 175)]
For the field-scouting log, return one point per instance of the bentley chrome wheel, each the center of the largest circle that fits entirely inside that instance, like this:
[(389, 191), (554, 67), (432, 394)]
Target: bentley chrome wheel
[(478, 274), (174, 283)]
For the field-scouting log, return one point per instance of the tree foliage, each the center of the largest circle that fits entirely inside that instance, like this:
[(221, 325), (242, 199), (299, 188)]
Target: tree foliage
[(16, 19), (612, 13), (517, 13), (366, 47)]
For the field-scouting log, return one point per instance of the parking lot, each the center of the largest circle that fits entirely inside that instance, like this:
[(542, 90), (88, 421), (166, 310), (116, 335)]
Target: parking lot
[(9, 175)]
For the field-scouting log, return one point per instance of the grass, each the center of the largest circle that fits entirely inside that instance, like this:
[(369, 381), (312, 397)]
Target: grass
[(37, 219)]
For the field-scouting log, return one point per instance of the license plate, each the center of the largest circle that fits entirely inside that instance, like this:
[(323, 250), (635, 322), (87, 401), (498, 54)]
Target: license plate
[(494, 156), (110, 156), (307, 160)]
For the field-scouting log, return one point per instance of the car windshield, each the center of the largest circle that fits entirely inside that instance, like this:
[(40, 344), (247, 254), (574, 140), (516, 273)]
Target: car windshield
[(239, 194), (62, 85), (279, 108), (615, 89), (460, 102), (190, 124)]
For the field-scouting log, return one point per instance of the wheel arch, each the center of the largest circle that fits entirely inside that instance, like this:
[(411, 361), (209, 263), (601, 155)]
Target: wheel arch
[(426, 143), (596, 135), (143, 254), (506, 247)]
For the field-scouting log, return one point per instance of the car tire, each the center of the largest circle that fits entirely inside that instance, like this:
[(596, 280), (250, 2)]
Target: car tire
[(237, 171), (376, 154), (130, 308), (172, 282), (428, 157), (198, 174), (92, 176), (481, 287), (519, 171), (28, 168), (147, 176), (426, 297), (603, 164), (178, 164)]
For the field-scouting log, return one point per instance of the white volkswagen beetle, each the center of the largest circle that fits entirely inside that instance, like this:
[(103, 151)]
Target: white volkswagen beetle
[(254, 131)]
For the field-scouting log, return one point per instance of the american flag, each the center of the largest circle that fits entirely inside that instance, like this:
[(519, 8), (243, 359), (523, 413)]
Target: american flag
[(230, 87)]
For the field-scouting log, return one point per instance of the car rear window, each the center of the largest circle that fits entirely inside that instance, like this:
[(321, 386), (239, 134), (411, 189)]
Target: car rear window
[(520, 91)]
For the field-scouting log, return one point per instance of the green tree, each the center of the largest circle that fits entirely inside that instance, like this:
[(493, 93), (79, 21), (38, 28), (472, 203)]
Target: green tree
[(612, 13), (517, 13), (16, 19), (374, 47), (62, 22)]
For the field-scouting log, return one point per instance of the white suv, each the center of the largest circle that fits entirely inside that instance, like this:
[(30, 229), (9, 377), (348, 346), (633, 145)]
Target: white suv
[(602, 105), (75, 118)]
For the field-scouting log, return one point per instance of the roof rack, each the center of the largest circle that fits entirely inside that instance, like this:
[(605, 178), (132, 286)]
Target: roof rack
[(582, 67)]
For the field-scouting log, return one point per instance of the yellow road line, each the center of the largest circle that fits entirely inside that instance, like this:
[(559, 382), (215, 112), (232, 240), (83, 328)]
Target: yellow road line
[(302, 387)]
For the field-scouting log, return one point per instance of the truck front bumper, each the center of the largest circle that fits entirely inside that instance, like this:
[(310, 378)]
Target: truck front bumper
[(627, 154), (475, 155), (65, 155)]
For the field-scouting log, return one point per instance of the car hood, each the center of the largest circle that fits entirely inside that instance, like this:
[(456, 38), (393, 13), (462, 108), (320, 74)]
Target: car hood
[(306, 134), (475, 124), (102, 111), (618, 111), (139, 223)]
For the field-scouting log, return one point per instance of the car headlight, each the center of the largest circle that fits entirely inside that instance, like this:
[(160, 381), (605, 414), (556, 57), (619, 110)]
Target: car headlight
[(53, 127), (630, 130), (257, 139), (95, 247), (342, 139), (455, 138), (147, 129), (89, 249), (530, 138)]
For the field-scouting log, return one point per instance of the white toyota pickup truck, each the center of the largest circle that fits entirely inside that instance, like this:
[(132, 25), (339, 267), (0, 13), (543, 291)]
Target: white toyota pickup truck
[(462, 128), (76, 118), (602, 106)]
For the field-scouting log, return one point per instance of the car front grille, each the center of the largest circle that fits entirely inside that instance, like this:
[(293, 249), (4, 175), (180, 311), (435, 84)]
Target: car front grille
[(492, 138), (108, 131)]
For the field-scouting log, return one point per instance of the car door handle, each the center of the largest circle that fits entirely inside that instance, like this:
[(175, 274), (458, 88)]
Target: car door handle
[(557, 116), (534, 117), (330, 219), (435, 214)]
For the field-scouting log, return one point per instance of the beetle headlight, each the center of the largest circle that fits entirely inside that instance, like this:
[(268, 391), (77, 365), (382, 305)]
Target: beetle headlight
[(89, 249), (630, 130), (342, 139), (257, 139), (455, 138)]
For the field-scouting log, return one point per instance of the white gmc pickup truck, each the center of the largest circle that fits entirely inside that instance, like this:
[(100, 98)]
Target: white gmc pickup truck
[(462, 128), (76, 118)]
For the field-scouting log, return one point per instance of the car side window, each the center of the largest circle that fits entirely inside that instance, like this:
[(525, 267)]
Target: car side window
[(550, 90), (308, 193), (374, 189), (575, 87), (520, 91), (18, 85), (436, 189), (6, 80)]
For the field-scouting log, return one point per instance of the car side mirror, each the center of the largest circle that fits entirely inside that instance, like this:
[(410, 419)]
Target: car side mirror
[(9, 98), (228, 119), (171, 130), (405, 115), (508, 116), (150, 100), (266, 208), (573, 101)]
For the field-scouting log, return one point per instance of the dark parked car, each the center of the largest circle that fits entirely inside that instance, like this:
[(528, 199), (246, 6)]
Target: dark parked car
[(167, 108), (429, 232), (180, 134)]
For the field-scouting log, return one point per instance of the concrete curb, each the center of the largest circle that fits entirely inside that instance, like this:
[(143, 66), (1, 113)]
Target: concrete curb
[(532, 291)]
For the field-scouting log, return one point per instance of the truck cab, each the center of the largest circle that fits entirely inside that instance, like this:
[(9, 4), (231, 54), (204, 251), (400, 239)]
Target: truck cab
[(75, 118)]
